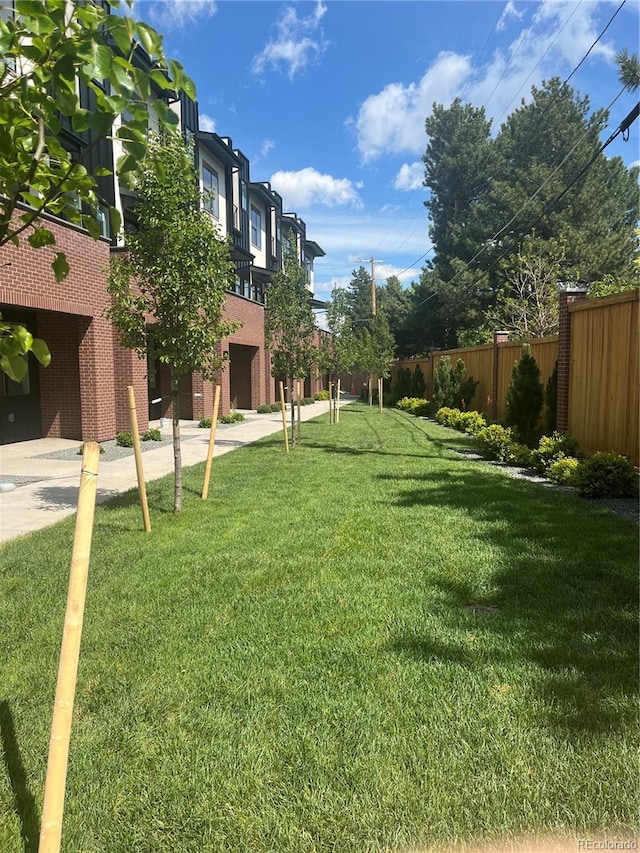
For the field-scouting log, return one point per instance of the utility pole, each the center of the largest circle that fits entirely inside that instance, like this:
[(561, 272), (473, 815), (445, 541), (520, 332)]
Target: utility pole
[(373, 261)]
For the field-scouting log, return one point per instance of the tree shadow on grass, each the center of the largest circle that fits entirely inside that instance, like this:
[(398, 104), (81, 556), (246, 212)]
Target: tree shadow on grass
[(24, 802), (564, 586)]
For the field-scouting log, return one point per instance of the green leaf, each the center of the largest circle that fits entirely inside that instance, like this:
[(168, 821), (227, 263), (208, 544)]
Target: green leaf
[(60, 266), (41, 237), (98, 61), (115, 220), (149, 39), (41, 351), (15, 366)]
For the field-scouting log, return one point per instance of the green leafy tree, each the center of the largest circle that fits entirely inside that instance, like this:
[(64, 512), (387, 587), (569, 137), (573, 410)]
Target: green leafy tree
[(69, 68), (171, 282), (339, 349), (359, 298), (376, 350), (289, 325), (394, 302), (528, 306), (525, 397), (402, 385)]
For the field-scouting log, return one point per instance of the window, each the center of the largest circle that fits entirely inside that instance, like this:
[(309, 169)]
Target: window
[(210, 188), (256, 227)]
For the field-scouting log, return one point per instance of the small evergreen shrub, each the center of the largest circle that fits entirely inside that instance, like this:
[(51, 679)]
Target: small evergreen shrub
[(264, 410), (152, 434), (205, 423), (231, 418), (307, 401), (519, 454), (606, 475), (402, 385), (470, 422), (552, 447), (562, 470), (525, 397), (447, 416), (494, 441), (124, 439), (275, 407), (451, 386), (321, 395), (418, 385), (413, 405)]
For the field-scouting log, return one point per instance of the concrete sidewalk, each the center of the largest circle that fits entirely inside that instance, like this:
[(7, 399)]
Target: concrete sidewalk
[(47, 489)]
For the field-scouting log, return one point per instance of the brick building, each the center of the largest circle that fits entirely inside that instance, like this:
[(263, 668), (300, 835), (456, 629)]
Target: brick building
[(83, 392)]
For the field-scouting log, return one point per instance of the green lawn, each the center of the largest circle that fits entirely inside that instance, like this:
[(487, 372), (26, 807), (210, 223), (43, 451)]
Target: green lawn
[(293, 665)]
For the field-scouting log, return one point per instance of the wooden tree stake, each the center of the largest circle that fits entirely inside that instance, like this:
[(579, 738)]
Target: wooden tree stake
[(330, 403), (380, 387), (53, 807), (142, 489), (284, 417), (212, 438), (299, 415), (338, 402)]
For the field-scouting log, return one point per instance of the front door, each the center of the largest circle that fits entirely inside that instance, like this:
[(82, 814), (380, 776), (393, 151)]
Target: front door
[(20, 401)]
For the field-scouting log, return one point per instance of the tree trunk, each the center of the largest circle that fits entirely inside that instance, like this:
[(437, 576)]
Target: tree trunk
[(177, 454)]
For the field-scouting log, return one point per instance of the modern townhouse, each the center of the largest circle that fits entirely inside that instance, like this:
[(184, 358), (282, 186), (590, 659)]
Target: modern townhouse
[(83, 392)]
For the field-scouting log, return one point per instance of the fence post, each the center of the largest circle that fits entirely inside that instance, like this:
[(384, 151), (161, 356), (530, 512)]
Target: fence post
[(567, 297), (499, 337)]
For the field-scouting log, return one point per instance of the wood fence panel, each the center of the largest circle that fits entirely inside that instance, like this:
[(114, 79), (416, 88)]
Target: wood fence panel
[(604, 374)]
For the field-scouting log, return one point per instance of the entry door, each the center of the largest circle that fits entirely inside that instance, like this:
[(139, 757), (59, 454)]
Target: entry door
[(20, 401)]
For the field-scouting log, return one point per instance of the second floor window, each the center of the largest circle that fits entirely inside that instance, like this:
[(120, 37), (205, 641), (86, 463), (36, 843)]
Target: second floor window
[(210, 189), (256, 228)]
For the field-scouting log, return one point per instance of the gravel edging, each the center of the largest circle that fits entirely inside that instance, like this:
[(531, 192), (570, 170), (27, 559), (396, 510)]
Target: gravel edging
[(625, 507)]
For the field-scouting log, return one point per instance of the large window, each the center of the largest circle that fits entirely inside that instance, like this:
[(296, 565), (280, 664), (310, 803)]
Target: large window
[(256, 227), (210, 187)]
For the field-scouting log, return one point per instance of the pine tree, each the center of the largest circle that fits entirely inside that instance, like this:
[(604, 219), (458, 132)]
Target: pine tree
[(525, 397)]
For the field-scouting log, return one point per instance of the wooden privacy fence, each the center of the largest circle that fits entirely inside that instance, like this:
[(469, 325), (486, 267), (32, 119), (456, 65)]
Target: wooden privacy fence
[(598, 374)]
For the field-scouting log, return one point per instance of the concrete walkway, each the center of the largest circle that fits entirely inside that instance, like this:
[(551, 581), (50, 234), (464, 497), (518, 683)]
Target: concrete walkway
[(47, 489)]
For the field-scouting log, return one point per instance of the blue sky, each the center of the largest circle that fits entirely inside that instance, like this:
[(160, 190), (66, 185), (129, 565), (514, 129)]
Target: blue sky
[(328, 98)]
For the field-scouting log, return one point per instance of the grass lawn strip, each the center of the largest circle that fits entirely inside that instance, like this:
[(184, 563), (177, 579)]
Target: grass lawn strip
[(294, 664)]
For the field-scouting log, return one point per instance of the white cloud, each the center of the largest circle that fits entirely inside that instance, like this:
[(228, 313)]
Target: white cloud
[(509, 11), (308, 186), (555, 38), (393, 119), (298, 43), (175, 14), (267, 146), (410, 176), (206, 123)]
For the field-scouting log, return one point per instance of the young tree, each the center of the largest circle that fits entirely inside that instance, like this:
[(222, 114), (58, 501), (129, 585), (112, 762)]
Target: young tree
[(289, 325), (339, 351), (173, 275), (69, 66), (525, 397), (376, 349)]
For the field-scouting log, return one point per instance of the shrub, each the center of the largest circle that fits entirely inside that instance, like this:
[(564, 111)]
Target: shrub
[(525, 396), (606, 475), (275, 407), (446, 416), (552, 447), (470, 422), (402, 385), (307, 401), (519, 454), (205, 423), (418, 385), (562, 470), (495, 441), (124, 439), (231, 418), (452, 387), (152, 434), (321, 395), (413, 405), (264, 410)]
